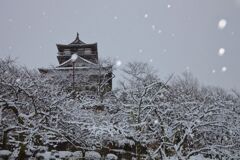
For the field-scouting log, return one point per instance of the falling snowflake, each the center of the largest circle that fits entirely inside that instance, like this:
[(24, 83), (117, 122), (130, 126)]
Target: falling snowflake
[(146, 15), (224, 69), (222, 24), (140, 50), (151, 60), (213, 71), (156, 121), (169, 6), (153, 27), (74, 57), (116, 17), (18, 80), (118, 63), (221, 52), (159, 31)]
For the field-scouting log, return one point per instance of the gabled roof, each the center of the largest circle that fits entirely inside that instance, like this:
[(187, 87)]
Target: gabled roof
[(79, 62)]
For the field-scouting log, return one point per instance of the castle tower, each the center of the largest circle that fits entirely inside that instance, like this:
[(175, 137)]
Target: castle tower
[(85, 72)]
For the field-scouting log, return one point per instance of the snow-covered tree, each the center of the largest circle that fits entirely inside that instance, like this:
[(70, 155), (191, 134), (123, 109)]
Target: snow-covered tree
[(145, 117)]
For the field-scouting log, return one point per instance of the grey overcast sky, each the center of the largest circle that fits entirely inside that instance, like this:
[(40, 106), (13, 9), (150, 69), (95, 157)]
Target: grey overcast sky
[(171, 35)]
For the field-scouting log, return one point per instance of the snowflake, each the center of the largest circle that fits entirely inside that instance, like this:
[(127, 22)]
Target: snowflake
[(222, 24), (221, 52), (151, 60), (213, 71), (18, 80), (118, 63), (74, 57), (224, 69), (169, 6), (153, 27), (140, 50), (164, 50), (156, 121), (146, 15), (159, 31), (115, 17)]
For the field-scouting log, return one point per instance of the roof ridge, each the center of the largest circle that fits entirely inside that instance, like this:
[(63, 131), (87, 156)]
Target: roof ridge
[(77, 40), (79, 57)]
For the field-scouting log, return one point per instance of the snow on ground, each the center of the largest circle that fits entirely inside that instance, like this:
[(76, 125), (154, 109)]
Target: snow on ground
[(111, 157), (59, 155), (4, 153), (90, 155), (197, 157)]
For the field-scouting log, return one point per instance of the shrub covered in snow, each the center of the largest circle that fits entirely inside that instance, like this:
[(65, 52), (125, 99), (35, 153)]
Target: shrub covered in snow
[(5, 154)]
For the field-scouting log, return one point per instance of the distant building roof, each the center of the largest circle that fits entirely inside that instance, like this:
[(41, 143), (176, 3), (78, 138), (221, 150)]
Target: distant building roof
[(77, 43)]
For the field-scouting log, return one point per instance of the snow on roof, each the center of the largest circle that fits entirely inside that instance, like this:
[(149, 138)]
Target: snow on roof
[(78, 60)]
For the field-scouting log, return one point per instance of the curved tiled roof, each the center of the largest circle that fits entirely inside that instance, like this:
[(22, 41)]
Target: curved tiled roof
[(77, 43)]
